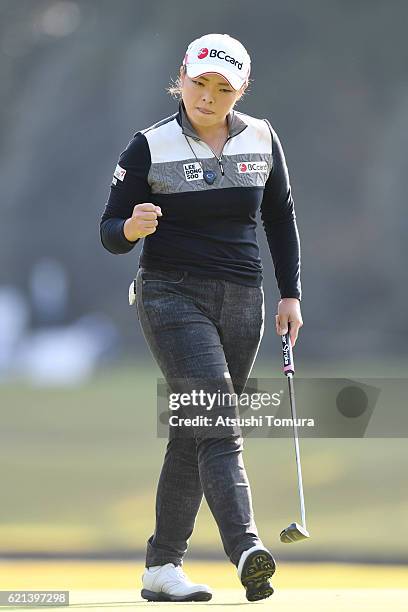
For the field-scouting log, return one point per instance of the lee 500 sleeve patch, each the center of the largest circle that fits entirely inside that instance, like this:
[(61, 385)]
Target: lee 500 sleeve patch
[(193, 171)]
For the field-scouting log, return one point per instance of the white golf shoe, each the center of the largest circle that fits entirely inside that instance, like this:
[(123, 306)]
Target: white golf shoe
[(256, 565), (169, 583)]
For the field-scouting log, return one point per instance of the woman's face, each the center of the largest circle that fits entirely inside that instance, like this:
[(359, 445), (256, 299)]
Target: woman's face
[(208, 99)]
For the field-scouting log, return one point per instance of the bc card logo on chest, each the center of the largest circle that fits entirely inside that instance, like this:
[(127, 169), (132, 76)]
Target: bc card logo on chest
[(245, 167), (193, 171)]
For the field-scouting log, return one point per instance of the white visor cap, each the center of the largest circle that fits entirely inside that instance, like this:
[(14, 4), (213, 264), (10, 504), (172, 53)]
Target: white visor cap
[(220, 54)]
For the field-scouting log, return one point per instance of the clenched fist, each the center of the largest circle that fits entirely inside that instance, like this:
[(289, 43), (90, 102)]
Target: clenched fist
[(142, 222)]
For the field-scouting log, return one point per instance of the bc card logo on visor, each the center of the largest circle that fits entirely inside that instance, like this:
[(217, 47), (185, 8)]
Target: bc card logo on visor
[(193, 171), (245, 167)]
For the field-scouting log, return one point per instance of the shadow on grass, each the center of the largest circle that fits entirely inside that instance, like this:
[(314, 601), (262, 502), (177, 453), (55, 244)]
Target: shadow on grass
[(122, 604)]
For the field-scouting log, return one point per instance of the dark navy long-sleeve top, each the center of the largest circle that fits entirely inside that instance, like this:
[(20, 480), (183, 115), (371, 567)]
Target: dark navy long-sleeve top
[(208, 228)]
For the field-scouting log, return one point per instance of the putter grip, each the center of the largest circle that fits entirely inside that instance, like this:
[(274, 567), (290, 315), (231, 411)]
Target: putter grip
[(287, 354)]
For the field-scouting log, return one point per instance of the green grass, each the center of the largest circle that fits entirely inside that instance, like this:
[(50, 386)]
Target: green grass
[(79, 467)]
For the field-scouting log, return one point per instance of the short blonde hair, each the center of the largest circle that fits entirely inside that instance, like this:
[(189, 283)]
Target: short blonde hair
[(174, 89)]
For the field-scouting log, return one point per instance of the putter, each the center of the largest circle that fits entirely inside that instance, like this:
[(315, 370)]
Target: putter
[(295, 532)]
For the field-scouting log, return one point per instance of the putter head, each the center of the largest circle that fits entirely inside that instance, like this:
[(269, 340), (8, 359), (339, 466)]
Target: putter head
[(293, 533)]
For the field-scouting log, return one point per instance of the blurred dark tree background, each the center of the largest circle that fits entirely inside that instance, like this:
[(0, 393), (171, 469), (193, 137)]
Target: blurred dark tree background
[(79, 78)]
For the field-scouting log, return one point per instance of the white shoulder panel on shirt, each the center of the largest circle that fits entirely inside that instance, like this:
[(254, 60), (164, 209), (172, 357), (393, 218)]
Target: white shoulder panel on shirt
[(256, 138), (167, 143)]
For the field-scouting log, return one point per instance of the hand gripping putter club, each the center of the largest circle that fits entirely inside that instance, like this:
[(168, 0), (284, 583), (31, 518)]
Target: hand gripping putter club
[(295, 532)]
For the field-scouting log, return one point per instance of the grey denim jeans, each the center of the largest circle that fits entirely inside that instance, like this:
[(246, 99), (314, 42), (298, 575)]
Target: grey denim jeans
[(201, 328)]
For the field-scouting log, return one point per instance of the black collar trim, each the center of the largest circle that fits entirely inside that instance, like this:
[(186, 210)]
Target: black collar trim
[(235, 124)]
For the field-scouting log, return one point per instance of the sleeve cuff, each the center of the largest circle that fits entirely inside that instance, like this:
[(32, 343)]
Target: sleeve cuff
[(125, 240), (291, 296)]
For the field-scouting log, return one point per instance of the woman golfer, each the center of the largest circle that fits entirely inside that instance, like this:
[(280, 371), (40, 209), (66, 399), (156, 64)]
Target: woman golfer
[(191, 186)]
